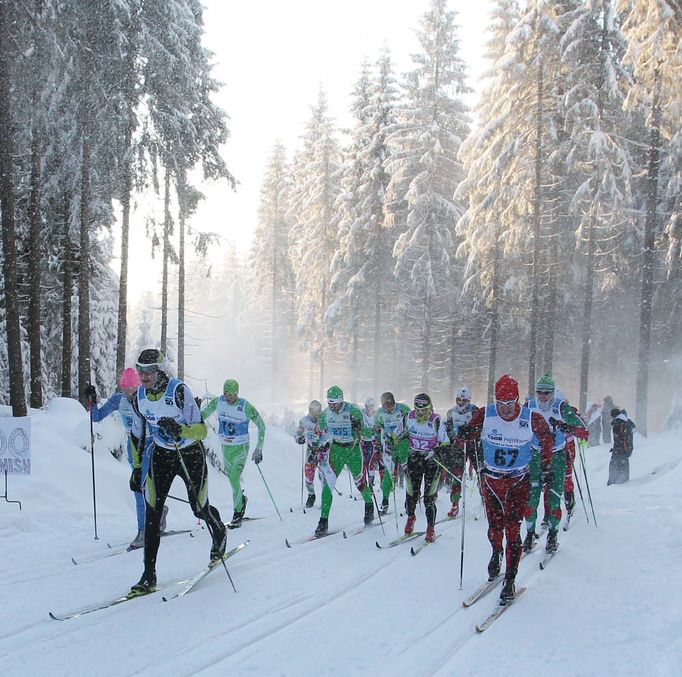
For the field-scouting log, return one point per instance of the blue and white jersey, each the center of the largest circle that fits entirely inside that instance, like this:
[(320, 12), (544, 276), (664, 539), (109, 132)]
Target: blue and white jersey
[(165, 407), (233, 423), (553, 411), (127, 413), (455, 419), (507, 444)]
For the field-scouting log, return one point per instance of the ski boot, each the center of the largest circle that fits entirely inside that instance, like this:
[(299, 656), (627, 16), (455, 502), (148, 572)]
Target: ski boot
[(508, 591), (430, 535), (219, 545), (495, 565), (369, 514), (552, 542), (384, 506), (138, 541), (529, 541), (311, 501), (569, 499), (322, 527), (544, 524), (144, 586), (409, 525), (238, 515), (454, 511), (164, 514)]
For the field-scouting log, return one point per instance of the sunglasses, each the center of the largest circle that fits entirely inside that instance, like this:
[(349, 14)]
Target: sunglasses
[(146, 368), (506, 402)]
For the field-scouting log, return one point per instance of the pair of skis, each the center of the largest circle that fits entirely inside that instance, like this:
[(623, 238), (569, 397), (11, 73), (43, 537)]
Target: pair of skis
[(119, 549), (501, 608), (187, 586)]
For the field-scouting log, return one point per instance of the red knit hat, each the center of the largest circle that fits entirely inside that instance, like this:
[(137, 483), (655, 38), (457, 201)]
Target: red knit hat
[(506, 388)]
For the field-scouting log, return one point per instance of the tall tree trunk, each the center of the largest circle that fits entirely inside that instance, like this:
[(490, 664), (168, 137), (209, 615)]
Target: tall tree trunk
[(182, 213), (322, 374), (273, 317), (426, 344), (15, 362), (67, 292), (537, 214), (377, 340), (354, 360), (122, 332), (84, 258), (166, 255), (34, 261), (494, 315), (587, 316), (647, 262)]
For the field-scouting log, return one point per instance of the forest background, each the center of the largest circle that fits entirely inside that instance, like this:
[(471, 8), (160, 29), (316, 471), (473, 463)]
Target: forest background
[(437, 237)]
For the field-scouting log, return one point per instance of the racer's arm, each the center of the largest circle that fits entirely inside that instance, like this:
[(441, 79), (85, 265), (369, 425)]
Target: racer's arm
[(209, 408), (108, 408), (544, 436), (195, 428), (577, 427), (255, 417)]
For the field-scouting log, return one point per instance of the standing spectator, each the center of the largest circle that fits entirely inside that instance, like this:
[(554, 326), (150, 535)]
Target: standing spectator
[(606, 419), (594, 420), (619, 467)]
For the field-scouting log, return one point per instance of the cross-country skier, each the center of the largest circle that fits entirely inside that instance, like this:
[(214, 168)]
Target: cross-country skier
[(368, 441), (506, 429), (165, 409), (426, 434), (340, 425), (455, 454), (308, 433), (393, 452), (234, 415), (122, 403), (561, 420)]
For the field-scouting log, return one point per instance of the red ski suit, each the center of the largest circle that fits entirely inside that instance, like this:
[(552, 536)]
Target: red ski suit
[(506, 498)]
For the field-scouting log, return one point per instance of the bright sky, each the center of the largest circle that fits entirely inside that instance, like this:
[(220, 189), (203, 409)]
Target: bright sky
[(272, 57)]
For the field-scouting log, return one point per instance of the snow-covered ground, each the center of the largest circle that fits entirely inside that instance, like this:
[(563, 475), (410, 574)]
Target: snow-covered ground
[(610, 603)]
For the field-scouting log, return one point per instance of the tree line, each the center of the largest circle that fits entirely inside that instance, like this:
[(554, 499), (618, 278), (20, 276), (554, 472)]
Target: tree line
[(100, 102), (428, 251)]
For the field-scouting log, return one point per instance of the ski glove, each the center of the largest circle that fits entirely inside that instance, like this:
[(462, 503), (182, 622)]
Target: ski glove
[(561, 425), (136, 480), (300, 439), (547, 476), (257, 456), (90, 394), (170, 428)]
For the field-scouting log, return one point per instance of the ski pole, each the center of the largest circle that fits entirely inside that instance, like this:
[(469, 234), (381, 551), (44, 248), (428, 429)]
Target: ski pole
[(374, 498), (269, 492), (175, 498), (302, 470), (587, 483), (464, 521), (204, 511), (580, 492), (92, 459)]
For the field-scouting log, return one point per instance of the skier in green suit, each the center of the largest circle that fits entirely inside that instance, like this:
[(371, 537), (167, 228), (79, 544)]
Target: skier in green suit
[(234, 415), (340, 426)]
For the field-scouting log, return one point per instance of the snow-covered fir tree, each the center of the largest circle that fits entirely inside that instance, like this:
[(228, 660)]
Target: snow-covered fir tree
[(424, 145)]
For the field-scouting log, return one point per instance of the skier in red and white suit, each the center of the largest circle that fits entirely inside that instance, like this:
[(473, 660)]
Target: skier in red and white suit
[(505, 429)]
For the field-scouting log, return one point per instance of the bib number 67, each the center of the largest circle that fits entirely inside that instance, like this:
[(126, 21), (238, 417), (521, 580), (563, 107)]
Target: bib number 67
[(505, 457)]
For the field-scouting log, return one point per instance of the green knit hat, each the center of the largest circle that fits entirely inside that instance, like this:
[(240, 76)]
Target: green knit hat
[(334, 395), (545, 384), (231, 387)]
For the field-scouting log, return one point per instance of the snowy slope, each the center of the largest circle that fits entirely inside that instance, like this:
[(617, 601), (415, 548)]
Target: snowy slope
[(610, 603)]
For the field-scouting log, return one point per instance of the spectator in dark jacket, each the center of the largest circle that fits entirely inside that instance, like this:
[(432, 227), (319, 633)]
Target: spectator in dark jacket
[(619, 467)]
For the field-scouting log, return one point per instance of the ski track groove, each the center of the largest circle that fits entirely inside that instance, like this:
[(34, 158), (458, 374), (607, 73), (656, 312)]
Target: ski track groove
[(331, 597)]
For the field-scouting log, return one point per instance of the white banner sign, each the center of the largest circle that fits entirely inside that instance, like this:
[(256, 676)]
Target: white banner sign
[(15, 445)]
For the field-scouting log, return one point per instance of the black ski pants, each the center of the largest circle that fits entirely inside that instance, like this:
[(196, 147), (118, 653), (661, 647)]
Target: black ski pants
[(418, 469)]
